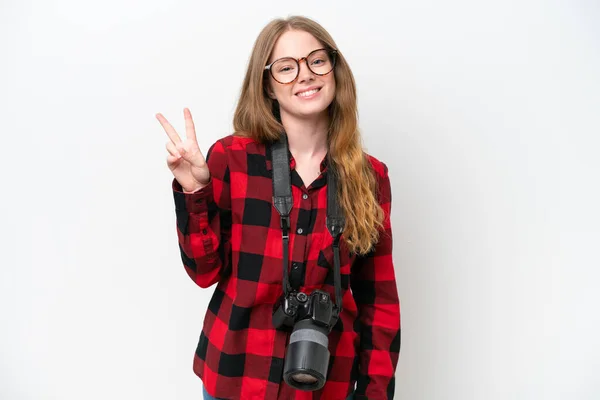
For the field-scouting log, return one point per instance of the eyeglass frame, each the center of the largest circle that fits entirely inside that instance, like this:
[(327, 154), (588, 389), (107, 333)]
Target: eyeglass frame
[(332, 52)]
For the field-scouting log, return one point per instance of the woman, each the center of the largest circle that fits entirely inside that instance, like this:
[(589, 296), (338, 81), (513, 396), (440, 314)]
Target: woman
[(298, 84)]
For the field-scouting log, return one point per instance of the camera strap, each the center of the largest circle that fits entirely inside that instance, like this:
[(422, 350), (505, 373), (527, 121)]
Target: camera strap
[(283, 202)]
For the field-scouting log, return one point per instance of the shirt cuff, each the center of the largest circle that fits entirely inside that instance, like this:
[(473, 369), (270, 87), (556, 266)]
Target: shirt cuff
[(193, 203)]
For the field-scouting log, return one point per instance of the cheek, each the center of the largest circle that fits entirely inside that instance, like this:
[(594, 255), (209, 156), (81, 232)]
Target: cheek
[(282, 91), (331, 83), (332, 90), (276, 88)]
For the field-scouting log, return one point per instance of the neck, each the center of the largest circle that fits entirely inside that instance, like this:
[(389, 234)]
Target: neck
[(307, 138)]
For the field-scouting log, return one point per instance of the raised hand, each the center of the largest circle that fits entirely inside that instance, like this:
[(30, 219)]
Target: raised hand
[(185, 160)]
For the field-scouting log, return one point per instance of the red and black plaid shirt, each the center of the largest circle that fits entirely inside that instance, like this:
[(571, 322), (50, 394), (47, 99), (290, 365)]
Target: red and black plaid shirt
[(229, 233)]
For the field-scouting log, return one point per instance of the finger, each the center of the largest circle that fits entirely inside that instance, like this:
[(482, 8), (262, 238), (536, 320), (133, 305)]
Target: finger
[(191, 153), (172, 149), (168, 128), (190, 129), (172, 160)]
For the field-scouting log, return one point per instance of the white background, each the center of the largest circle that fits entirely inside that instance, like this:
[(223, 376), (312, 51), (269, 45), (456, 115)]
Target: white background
[(487, 114)]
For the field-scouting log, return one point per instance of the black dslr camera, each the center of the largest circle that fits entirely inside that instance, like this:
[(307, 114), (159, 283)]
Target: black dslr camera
[(311, 317)]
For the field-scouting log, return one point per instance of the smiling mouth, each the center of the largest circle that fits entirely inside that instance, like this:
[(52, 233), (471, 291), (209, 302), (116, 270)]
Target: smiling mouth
[(308, 93)]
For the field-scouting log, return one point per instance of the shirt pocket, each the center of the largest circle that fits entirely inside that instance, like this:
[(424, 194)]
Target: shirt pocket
[(323, 271)]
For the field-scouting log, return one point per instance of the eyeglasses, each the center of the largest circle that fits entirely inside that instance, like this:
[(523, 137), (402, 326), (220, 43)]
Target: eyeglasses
[(319, 62)]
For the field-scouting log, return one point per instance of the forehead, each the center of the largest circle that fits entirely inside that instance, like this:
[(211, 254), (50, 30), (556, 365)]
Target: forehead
[(294, 44)]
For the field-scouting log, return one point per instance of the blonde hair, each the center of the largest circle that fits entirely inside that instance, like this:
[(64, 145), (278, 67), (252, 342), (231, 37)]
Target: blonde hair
[(256, 116)]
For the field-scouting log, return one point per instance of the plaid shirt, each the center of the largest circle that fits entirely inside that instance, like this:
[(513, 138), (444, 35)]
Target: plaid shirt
[(229, 233)]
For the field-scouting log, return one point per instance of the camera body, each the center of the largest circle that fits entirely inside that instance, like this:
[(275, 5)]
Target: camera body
[(297, 306), (307, 357)]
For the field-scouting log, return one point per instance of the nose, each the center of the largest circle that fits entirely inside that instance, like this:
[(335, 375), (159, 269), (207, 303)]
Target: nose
[(304, 73)]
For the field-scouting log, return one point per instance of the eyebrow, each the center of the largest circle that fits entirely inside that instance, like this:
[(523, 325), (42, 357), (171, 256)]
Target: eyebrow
[(295, 58)]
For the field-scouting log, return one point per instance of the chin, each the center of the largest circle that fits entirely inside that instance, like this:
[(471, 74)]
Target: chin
[(310, 111)]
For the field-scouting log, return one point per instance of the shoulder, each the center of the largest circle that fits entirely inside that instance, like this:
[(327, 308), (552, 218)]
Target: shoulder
[(236, 142), (379, 167)]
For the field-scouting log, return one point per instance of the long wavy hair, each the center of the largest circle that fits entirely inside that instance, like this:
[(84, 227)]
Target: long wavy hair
[(257, 116)]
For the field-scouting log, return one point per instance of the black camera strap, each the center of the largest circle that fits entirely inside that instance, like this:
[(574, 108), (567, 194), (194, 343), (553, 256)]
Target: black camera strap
[(283, 202)]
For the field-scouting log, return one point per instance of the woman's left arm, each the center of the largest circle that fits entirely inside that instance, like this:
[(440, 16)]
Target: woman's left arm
[(373, 283)]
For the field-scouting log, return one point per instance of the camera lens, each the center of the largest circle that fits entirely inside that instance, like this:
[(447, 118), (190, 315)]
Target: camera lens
[(307, 356), (303, 378)]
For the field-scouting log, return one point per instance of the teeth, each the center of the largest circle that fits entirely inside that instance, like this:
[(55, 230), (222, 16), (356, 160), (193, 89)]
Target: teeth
[(308, 93)]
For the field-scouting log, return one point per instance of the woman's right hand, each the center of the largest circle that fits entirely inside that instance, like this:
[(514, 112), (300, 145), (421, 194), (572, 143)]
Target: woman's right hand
[(185, 160)]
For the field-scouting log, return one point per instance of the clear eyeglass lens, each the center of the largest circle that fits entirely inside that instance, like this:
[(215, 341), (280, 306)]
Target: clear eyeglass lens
[(286, 70)]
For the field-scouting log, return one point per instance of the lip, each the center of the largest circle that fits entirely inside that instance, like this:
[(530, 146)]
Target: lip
[(307, 89)]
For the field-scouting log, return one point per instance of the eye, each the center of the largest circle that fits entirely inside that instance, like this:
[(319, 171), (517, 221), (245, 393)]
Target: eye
[(284, 67)]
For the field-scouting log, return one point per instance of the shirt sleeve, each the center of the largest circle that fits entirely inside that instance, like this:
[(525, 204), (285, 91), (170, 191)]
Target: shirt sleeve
[(373, 283), (204, 222)]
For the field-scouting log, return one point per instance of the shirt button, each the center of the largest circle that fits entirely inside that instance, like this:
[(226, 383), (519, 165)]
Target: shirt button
[(305, 196), (299, 231)]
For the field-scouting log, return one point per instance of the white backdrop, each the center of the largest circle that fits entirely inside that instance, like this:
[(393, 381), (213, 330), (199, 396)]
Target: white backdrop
[(487, 114)]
